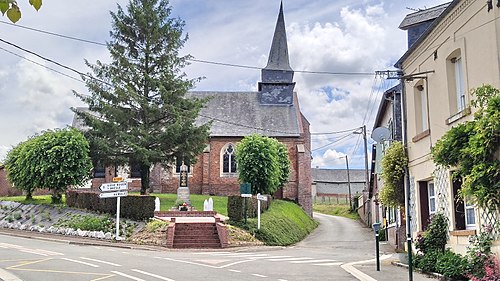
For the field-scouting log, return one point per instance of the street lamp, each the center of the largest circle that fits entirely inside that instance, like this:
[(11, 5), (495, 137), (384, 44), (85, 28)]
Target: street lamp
[(348, 181)]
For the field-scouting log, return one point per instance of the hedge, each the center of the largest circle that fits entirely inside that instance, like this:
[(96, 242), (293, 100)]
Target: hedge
[(136, 207), (236, 207)]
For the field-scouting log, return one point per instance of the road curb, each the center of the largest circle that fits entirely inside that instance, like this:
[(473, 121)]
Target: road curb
[(7, 276), (349, 267)]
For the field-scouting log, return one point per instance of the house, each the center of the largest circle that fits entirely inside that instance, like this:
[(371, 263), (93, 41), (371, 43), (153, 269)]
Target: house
[(272, 111), (332, 185), (387, 128), (455, 53)]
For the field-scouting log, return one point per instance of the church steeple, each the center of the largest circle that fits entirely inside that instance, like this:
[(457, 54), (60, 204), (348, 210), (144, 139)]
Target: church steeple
[(278, 56), (277, 77)]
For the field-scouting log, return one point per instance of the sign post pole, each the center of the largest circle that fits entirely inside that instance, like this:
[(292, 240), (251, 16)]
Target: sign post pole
[(118, 218), (258, 211)]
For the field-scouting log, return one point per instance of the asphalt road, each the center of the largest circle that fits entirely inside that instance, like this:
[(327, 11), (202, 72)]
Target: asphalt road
[(322, 256)]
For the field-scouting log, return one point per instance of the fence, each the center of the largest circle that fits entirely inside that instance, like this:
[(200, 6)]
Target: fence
[(332, 199)]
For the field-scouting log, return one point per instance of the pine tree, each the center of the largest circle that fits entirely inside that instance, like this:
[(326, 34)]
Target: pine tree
[(138, 108)]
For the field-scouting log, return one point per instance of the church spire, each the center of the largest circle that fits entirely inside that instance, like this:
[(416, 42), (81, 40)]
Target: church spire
[(278, 56), (277, 83)]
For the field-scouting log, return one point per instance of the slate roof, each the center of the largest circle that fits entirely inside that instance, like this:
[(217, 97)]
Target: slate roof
[(337, 175), (238, 114), (422, 16), (278, 56), (435, 22)]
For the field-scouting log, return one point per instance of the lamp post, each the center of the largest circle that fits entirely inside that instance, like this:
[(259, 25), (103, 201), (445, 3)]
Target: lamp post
[(348, 182), (376, 227)]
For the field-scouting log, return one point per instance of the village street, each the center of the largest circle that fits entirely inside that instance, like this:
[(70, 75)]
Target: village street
[(325, 255)]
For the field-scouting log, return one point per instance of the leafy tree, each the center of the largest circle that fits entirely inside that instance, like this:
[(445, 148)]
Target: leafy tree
[(393, 163), (54, 160), (473, 148), (139, 111), (12, 8), (263, 162)]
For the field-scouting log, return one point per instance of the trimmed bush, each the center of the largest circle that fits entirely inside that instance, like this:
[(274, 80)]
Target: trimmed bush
[(133, 207), (236, 207), (427, 262)]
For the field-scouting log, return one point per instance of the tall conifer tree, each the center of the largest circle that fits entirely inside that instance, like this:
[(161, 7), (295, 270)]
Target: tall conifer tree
[(138, 109)]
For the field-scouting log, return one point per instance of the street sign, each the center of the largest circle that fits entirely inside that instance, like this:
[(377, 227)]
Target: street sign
[(261, 197), (117, 179), (245, 188), (246, 195), (121, 193), (114, 186)]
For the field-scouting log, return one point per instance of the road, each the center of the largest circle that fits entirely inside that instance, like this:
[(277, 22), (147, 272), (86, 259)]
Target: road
[(337, 241)]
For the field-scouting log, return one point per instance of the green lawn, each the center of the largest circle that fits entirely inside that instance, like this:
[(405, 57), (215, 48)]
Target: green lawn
[(167, 201), (37, 200), (341, 210)]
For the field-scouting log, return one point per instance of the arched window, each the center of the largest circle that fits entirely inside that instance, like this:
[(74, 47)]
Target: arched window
[(228, 159)]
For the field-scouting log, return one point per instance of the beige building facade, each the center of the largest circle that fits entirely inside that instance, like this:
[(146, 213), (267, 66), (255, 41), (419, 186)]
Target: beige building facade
[(457, 53)]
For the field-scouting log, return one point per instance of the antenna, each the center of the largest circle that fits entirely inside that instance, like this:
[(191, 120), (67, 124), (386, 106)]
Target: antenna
[(381, 134)]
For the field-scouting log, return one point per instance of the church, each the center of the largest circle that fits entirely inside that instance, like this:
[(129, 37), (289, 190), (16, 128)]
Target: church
[(271, 111)]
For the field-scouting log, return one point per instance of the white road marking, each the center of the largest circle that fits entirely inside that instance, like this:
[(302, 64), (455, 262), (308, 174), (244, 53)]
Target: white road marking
[(234, 263), (312, 261), (81, 262), (234, 270), (349, 267), (128, 276), (328, 264), (153, 275), (32, 252), (282, 280), (100, 261), (259, 275), (290, 259)]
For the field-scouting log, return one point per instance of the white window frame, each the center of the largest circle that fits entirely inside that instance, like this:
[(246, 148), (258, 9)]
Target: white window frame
[(459, 83), (431, 198), (423, 109), (469, 208)]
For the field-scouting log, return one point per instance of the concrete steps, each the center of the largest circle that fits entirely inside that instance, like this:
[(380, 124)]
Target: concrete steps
[(196, 235)]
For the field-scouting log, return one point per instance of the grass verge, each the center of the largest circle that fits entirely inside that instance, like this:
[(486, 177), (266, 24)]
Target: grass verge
[(341, 210), (285, 223)]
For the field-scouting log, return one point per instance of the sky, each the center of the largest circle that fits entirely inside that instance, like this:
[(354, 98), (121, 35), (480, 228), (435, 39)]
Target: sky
[(350, 39)]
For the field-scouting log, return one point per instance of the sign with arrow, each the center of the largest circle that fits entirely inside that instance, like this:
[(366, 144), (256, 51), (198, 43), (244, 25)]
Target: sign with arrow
[(113, 186), (114, 194)]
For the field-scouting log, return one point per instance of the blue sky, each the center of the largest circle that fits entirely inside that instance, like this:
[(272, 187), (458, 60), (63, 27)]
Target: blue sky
[(342, 36)]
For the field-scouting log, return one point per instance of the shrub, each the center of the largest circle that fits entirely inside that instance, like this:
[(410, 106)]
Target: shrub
[(427, 262), (452, 265), (435, 237), (87, 222)]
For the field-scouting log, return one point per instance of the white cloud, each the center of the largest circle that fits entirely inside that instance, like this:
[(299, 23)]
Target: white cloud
[(3, 152)]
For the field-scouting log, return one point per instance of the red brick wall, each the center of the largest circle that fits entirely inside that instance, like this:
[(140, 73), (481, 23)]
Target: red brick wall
[(6, 188)]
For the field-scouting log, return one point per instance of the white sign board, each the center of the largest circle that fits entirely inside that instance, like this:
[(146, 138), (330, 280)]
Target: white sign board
[(261, 197), (246, 195), (121, 193), (114, 186)]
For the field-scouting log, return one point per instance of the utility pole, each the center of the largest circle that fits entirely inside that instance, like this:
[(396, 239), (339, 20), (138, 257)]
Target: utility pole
[(366, 159), (348, 182)]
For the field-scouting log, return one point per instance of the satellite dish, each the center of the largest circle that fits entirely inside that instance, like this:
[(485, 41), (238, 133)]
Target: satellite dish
[(381, 134)]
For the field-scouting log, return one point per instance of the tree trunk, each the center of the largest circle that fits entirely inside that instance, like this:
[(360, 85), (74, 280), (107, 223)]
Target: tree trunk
[(29, 195), (144, 178)]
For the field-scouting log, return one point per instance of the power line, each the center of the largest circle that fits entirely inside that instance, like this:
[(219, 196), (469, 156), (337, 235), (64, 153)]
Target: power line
[(333, 142), (39, 64), (192, 59), (54, 34), (336, 132), (54, 62)]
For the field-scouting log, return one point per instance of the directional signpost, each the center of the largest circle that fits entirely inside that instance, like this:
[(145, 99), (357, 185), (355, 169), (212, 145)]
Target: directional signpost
[(259, 198), (115, 190)]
